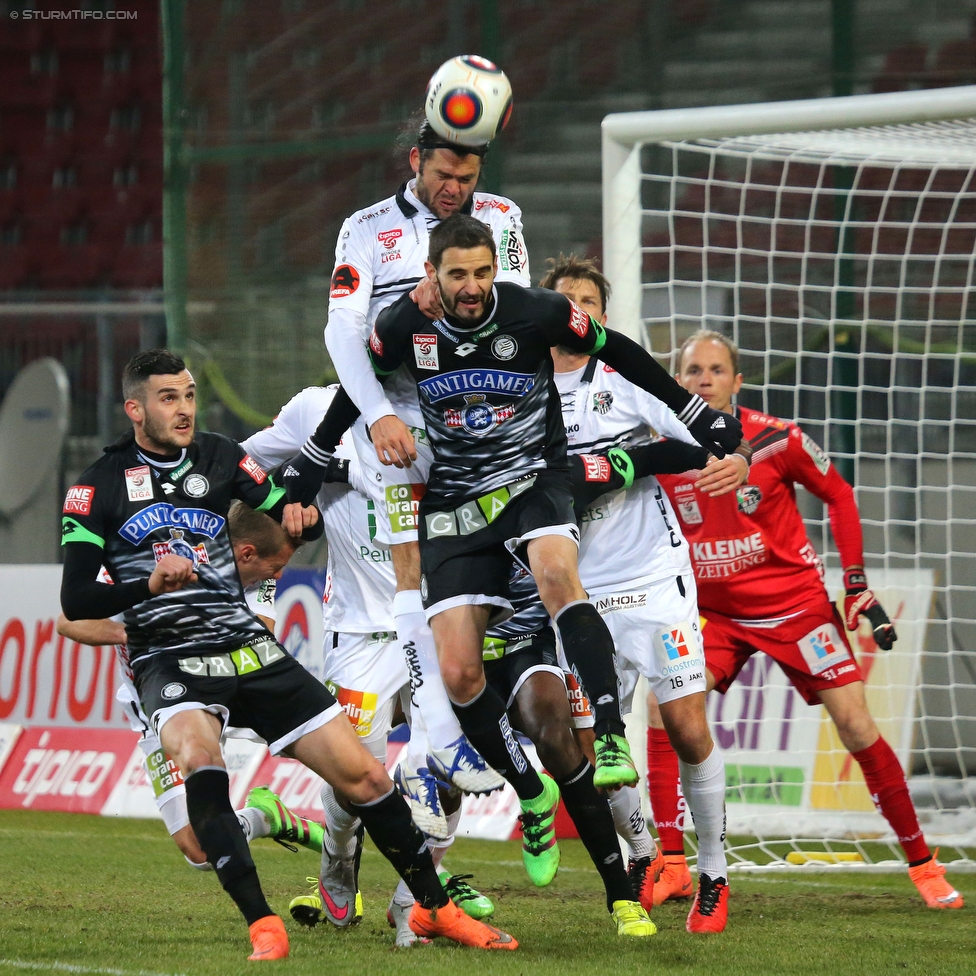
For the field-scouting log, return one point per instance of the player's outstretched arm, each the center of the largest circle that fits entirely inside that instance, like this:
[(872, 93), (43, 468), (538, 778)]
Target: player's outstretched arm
[(593, 475), (304, 474), (719, 432), (95, 633)]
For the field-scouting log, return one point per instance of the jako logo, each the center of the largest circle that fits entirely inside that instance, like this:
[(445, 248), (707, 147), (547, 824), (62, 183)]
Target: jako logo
[(822, 644), (674, 644)]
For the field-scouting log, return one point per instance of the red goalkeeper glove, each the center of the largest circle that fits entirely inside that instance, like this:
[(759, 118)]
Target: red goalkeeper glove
[(860, 600)]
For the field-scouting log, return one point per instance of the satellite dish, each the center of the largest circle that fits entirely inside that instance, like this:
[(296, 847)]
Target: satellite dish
[(33, 425)]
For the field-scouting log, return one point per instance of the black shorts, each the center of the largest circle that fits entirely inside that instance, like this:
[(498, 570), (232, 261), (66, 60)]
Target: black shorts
[(259, 687), (523, 657), (466, 559)]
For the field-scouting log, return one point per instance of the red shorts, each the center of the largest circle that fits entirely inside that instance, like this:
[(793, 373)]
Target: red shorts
[(812, 649)]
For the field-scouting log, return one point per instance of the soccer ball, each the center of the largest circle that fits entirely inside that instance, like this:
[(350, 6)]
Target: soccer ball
[(469, 100)]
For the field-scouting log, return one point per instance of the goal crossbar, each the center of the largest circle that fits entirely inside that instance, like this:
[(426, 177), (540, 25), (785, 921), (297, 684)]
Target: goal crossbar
[(624, 134)]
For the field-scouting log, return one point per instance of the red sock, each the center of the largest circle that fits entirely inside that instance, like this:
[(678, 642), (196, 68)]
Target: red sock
[(663, 785), (885, 780)]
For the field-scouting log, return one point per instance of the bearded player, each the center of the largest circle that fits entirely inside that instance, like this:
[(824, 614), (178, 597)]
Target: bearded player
[(778, 606)]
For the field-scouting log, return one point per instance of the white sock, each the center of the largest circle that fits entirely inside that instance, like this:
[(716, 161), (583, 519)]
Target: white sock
[(625, 805), (418, 745), (704, 789), (204, 866), (438, 848), (340, 826), (402, 896), (254, 823), (426, 685)]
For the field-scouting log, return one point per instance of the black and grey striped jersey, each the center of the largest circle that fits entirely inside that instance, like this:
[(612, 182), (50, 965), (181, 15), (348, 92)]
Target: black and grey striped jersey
[(137, 509), (487, 395)]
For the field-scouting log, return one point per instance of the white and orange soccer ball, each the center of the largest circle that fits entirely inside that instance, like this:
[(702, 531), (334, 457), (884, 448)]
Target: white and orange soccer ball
[(469, 100)]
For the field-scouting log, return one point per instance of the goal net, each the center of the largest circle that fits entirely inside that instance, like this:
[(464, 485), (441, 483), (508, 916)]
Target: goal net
[(834, 241)]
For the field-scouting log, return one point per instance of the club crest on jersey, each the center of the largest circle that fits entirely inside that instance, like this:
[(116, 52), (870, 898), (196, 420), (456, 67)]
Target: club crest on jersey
[(687, 506), (748, 498), (176, 545), (162, 515), (425, 351), (602, 401), (504, 347), (477, 416), (138, 483), (195, 486)]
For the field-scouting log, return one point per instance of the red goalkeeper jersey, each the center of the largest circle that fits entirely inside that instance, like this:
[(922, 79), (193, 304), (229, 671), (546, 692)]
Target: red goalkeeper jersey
[(752, 557)]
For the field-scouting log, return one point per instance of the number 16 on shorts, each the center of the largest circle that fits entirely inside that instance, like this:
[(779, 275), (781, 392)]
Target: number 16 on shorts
[(679, 654)]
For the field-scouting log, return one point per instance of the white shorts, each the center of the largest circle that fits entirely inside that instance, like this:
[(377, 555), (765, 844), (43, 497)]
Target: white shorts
[(656, 633), (395, 491), (366, 673)]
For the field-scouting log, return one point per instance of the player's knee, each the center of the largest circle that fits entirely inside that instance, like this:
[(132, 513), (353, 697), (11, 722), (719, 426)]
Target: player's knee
[(463, 680), (371, 782)]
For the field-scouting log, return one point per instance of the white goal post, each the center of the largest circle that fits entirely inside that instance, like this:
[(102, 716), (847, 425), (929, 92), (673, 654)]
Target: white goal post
[(835, 240)]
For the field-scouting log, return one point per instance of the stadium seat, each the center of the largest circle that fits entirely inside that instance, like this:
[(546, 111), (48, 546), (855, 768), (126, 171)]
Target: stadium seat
[(904, 68)]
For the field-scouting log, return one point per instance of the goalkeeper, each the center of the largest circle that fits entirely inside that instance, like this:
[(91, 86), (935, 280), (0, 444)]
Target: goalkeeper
[(760, 588)]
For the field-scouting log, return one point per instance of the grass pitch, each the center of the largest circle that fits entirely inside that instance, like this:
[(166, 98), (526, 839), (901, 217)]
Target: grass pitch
[(82, 895)]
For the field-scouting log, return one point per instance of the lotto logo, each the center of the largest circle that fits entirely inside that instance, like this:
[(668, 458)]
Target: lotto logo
[(674, 644), (579, 321), (595, 467), (252, 467), (79, 499), (360, 706)]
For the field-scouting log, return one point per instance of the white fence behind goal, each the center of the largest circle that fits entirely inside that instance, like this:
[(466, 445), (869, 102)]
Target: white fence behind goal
[(834, 241)]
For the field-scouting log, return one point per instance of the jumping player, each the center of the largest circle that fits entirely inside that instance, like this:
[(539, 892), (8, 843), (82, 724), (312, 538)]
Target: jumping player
[(498, 486), (153, 511), (380, 256), (778, 604)]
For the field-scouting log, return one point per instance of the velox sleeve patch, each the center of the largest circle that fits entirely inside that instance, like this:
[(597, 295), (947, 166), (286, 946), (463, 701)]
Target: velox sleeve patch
[(819, 457), (375, 342), (595, 467), (251, 467), (579, 321), (79, 500)]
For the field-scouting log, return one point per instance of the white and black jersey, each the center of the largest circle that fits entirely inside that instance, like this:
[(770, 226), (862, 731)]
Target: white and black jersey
[(379, 256), (631, 534), (489, 404), (132, 510)]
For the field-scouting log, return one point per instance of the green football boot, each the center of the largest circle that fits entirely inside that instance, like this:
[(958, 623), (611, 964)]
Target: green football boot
[(286, 827), (614, 767), (540, 852), (471, 901)]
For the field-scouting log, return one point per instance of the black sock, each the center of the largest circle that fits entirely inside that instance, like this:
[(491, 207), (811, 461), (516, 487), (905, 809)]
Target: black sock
[(589, 650), (484, 722), (222, 839), (594, 823), (388, 823)]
